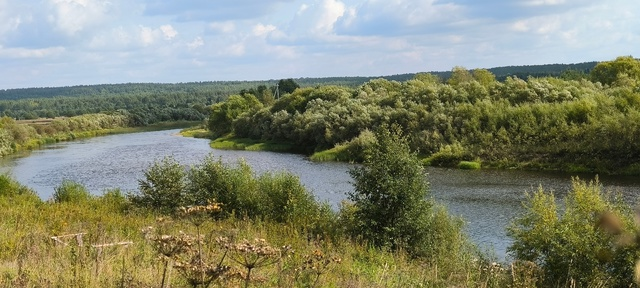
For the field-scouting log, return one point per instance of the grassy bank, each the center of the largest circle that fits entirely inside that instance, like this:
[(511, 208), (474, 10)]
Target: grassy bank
[(229, 142), (99, 242), (30, 135)]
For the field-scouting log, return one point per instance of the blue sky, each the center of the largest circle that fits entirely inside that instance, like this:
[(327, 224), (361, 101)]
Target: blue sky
[(46, 43)]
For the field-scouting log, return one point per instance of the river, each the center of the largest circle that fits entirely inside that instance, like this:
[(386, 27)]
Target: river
[(487, 200)]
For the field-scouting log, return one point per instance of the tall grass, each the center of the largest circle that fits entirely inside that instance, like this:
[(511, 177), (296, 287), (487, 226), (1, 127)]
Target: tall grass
[(30, 258)]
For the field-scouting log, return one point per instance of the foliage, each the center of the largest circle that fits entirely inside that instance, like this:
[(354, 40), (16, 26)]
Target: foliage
[(277, 197), (609, 72), (448, 155), (532, 123), (11, 189), (70, 191), (223, 114), (470, 165), (287, 86), (163, 188), (391, 207), (588, 241), (233, 186)]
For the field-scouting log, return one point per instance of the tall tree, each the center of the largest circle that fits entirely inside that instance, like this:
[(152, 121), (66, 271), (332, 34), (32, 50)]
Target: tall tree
[(286, 86)]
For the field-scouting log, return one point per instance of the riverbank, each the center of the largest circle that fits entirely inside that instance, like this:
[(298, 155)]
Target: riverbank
[(442, 159), (229, 142), (20, 136), (99, 242)]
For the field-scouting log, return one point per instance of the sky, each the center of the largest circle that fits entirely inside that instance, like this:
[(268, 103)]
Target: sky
[(50, 43)]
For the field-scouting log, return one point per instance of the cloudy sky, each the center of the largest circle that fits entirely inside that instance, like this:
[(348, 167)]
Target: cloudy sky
[(77, 42)]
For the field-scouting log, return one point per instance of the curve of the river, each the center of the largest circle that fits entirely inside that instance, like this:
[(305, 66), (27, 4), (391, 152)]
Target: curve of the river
[(487, 199)]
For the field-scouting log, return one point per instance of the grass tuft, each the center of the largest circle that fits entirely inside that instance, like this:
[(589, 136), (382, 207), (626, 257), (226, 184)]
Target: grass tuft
[(469, 165)]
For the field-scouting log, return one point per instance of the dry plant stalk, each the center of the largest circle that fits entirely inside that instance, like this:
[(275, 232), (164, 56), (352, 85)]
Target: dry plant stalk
[(253, 255), (184, 252), (317, 263)]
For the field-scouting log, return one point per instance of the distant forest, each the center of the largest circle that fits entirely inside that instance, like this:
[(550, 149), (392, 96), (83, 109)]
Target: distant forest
[(149, 103), (215, 89)]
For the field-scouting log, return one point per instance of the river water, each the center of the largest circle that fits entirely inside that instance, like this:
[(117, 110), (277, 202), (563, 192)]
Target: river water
[(487, 200)]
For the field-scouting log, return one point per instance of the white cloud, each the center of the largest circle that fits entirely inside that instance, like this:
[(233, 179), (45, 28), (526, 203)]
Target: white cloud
[(398, 17), (540, 25), (210, 11), (168, 32), (73, 16), (330, 12), (236, 49), (147, 36), (117, 38), (520, 26), (198, 42), (97, 41), (317, 19), (262, 30)]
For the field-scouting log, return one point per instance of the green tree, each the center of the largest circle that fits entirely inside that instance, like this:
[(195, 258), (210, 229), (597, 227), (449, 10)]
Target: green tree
[(391, 207), (459, 75), (286, 86), (223, 114), (608, 72), (427, 78), (484, 77)]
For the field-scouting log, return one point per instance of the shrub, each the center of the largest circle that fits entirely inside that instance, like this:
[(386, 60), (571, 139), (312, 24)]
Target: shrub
[(115, 199), (581, 243), (70, 191), (9, 188), (163, 188), (390, 205), (285, 200), (234, 187)]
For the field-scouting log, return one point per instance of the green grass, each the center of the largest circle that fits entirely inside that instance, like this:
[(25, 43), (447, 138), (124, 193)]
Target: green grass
[(229, 142), (325, 155), (29, 257), (469, 165), (196, 132)]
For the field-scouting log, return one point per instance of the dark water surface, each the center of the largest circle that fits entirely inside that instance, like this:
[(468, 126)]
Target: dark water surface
[(487, 199)]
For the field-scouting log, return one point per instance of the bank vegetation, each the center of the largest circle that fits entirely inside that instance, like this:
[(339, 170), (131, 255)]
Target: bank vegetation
[(578, 122)]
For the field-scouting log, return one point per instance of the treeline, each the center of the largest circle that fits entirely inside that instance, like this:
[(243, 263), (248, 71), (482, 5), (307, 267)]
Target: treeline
[(212, 89), (158, 100), (590, 124), (144, 108)]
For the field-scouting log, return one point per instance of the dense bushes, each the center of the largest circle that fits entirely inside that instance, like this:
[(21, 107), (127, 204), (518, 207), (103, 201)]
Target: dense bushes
[(589, 241), (535, 123), (275, 197)]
